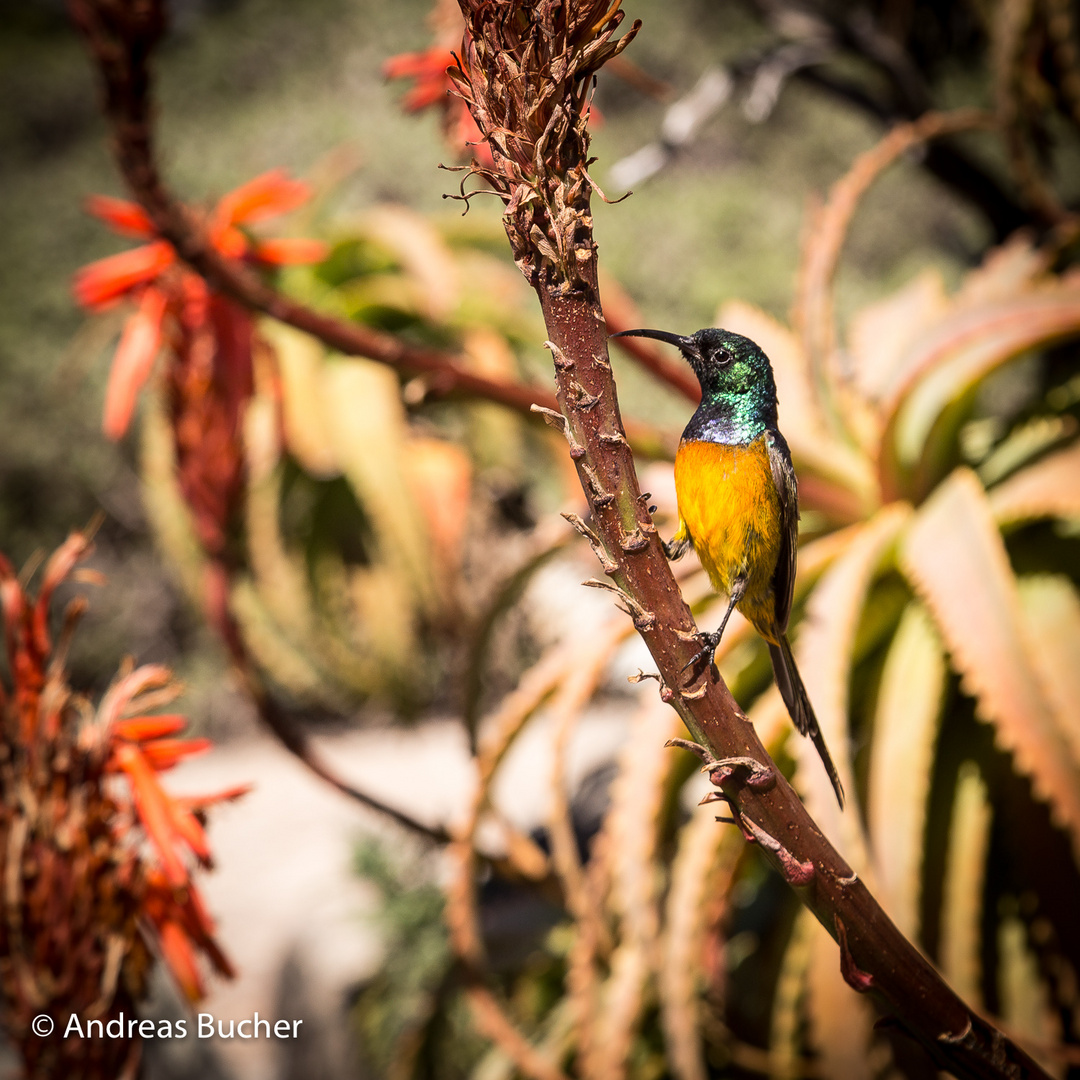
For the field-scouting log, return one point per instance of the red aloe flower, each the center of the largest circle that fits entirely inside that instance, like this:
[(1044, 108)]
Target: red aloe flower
[(154, 279), (87, 901)]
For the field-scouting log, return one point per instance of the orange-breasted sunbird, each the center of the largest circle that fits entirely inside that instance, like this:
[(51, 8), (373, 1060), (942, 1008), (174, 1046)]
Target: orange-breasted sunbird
[(739, 503)]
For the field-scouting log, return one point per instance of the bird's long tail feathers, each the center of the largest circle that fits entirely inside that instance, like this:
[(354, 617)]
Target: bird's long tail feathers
[(798, 705)]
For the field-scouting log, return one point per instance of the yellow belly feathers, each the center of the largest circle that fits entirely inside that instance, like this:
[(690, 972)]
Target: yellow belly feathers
[(730, 511)]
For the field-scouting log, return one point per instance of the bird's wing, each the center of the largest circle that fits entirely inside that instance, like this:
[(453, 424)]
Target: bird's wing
[(783, 474)]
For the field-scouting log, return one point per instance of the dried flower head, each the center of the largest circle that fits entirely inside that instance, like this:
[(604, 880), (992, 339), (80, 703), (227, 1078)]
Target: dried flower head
[(526, 73), (97, 875)]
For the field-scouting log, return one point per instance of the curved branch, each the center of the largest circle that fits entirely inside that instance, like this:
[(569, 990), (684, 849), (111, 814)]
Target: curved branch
[(121, 37), (291, 735), (621, 313), (815, 303), (943, 158)]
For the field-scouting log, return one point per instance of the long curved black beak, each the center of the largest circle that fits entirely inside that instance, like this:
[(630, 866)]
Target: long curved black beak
[(684, 343)]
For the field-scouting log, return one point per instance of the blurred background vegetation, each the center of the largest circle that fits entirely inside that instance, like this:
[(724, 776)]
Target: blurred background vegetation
[(377, 527), (248, 86)]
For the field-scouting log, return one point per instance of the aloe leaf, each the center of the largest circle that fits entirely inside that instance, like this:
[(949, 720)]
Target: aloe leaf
[(505, 595), (438, 475), (1025, 1000), (366, 426), (300, 360), (841, 1020), (1049, 488), (983, 317), (901, 762), (824, 651), (636, 801), (963, 889), (786, 1019), (288, 665), (703, 867), (495, 434), (385, 616), (1032, 439), (1012, 268), (881, 334), (924, 401), (279, 575), (956, 561), (422, 252), (1052, 620)]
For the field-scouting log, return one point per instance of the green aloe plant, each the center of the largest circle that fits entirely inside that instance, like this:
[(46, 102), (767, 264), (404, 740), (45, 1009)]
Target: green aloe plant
[(949, 593), (937, 622)]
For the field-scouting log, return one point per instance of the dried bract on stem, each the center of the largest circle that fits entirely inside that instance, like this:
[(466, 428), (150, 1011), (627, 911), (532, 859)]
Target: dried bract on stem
[(526, 72)]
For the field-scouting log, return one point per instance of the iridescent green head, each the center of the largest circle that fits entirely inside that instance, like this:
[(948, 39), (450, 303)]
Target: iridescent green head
[(738, 392)]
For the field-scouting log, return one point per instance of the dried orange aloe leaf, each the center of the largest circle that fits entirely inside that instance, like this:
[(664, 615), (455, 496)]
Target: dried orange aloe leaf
[(637, 799), (703, 866)]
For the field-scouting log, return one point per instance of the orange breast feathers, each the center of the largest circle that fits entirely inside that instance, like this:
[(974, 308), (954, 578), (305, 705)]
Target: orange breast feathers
[(730, 511)]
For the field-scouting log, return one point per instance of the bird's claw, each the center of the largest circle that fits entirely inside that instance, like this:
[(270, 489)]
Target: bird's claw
[(709, 640)]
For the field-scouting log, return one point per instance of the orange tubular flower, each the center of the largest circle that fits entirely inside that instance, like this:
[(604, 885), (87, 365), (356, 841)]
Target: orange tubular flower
[(133, 360), (88, 902), (427, 70), (153, 278)]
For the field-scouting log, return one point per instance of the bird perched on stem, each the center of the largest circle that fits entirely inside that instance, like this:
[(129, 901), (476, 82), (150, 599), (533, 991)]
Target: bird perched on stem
[(739, 503)]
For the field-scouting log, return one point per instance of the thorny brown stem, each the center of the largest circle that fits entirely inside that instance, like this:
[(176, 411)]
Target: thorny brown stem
[(526, 69)]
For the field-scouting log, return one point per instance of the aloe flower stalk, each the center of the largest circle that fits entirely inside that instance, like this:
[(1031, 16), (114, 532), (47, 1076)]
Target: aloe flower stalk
[(100, 860)]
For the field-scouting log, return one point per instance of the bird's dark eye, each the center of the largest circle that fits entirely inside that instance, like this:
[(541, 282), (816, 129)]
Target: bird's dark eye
[(723, 357)]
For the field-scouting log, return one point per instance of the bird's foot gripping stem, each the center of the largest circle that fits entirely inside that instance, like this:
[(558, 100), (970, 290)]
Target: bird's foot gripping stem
[(709, 640)]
